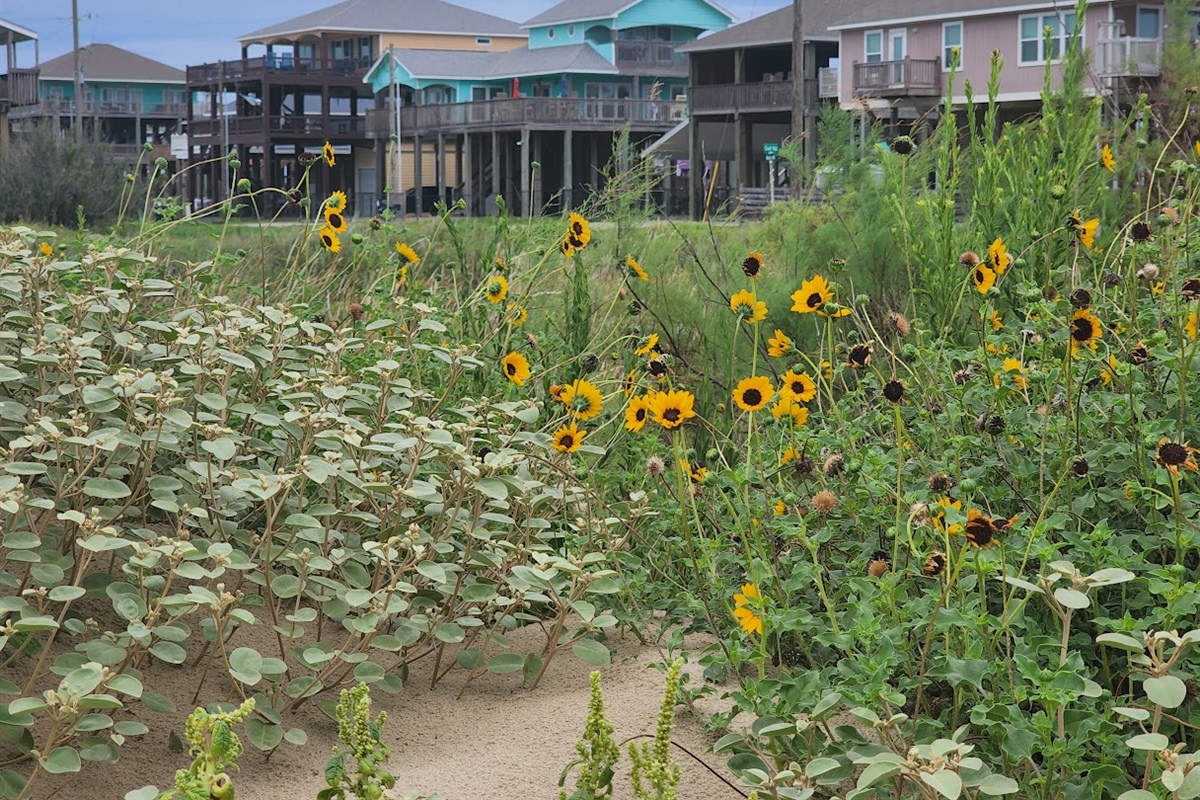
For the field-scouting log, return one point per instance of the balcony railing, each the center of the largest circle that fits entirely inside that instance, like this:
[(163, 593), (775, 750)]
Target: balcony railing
[(910, 77), (827, 79), (101, 108), (283, 66), (19, 87), (729, 98), (1129, 57), (643, 56), (535, 112), (314, 127)]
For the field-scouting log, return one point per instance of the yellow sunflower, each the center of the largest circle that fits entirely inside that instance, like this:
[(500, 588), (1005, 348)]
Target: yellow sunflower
[(637, 412), (45, 249), (748, 308), (568, 438), (981, 531), (797, 386), (330, 240), (745, 606), (402, 275), (998, 257), (779, 345), (672, 409), (812, 296), (516, 368), (497, 289), (578, 231), (1085, 329), (327, 153), (753, 394), (336, 202), (634, 269), (996, 320), (582, 399), (1192, 326), (407, 253), (516, 313), (790, 456), (335, 220), (1106, 158), (1085, 232), (1175, 455), (696, 473), (1017, 369), (984, 278), (647, 345), (938, 516), (753, 265), (787, 409)]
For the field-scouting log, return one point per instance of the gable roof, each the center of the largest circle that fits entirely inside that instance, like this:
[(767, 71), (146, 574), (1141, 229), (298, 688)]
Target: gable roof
[(393, 16), (479, 65), (105, 62), (581, 10), (887, 12), (775, 27)]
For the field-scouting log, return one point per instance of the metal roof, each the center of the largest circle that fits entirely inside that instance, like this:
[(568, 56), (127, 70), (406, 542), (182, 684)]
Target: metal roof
[(477, 65), (392, 16), (583, 10), (775, 27), (106, 62)]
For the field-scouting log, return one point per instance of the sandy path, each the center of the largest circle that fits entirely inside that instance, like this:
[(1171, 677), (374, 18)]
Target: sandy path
[(499, 742)]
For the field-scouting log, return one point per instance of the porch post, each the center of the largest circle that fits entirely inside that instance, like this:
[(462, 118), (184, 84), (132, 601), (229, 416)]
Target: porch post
[(441, 168), (568, 170), (538, 199), (465, 173), (526, 206), (418, 178)]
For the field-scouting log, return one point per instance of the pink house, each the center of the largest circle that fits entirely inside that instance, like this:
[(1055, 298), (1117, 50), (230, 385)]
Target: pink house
[(895, 56)]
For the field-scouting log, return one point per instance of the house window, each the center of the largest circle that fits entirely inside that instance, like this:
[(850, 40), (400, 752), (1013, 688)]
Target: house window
[(1149, 22), (571, 31), (366, 49), (1036, 47), (873, 46), (550, 33), (342, 49), (952, 39), (483, 41)]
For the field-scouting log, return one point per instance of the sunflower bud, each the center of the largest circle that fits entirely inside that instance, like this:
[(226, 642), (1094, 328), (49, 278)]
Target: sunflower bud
[(1058, 191)]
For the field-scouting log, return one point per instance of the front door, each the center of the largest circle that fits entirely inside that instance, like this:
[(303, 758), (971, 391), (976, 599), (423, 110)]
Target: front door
[(897, 52)]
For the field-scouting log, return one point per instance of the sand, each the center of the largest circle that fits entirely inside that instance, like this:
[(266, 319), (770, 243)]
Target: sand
[(500, 741)]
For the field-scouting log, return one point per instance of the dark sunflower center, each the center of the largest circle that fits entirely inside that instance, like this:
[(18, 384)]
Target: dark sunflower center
[(567, 440), (797, 387), (1172, 454), (640, 415), (860, 354), (893, 391), (751, 266), (752, 397), (980, 531), (979, 276), (814, 300), (1082, 330), (511, 368), (671, 415), (577, 228)]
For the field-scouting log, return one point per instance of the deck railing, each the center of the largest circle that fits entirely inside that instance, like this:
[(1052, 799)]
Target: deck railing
[(100, 108), (749, 97), (631, 55), (908, 77), (19, 87), (536, 112), (254, 68), (314, 127), (1128, 56)]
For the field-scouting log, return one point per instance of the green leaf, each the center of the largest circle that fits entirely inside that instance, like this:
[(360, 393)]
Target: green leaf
[(144, 793), (1167, 691), (1190, 788), (160, 704), (1148, 741), (222, 449), (433, 571), (493, 488), (65, 594), (245, 665), (946, 782), (880, 770), (504, 663), (295, 736), (997, 785), (263, 735), (1121, 641), (449, 632), (62, 759), (819, 766), (168, 652), (591, 652), (1071, 598), (106, 489)]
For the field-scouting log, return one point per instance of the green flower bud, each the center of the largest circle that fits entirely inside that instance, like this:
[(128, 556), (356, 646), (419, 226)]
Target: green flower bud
[(969, 485), (1058, 191), (357, 238), (160, 163), (243, 185)]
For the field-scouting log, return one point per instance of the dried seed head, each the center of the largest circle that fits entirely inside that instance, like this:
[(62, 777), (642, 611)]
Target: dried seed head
[(941, 483), (878, 567), (899, 324), (962, 376), (1050, 293), (1148, 272), (995, 425), (1190, 290), (1140, 231), (655, 466), (1139, 354), (969, 260), (802, 466), (1080, 468), (1081, 299), (834, 465), (1111, 279), (356, 311), (893, 390), (824, 501)]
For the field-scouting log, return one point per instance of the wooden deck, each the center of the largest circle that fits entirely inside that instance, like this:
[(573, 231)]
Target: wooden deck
[(911, 77), (533, 113), (278, 69), (290, 126), (747, 98)]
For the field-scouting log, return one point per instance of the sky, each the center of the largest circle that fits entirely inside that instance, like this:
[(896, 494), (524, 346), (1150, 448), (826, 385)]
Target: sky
[(182, 32)]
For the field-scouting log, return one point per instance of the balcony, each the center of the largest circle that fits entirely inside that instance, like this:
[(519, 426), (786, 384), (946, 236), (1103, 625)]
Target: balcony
[(19, 87), (827, 80), (1129, 57), (750, 98), (541, 113), (650, 58), (102, 109), (910, 77), (285, 126), (279, 68)]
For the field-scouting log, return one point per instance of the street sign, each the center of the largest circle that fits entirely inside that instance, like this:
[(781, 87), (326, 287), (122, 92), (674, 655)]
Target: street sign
[(771, 150)]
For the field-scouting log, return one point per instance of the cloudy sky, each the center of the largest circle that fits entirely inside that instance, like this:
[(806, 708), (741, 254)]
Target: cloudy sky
[(180, 32)]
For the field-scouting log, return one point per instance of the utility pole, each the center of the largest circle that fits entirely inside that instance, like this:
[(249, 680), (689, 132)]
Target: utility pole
[(78, 74), (798, 110)]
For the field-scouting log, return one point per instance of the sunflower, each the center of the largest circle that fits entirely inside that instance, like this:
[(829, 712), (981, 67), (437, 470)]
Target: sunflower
[(1106, 158), (1174, 455), (812, 296), (500, 265), (657, 367), (934, 564), (859, 356), (335, 221), (797, 386), (1189, 290), (981, 531), (1085, 233), (998, 257), (747, 307), (647, 345), (996, 320), (745, 605), (672, 409), (556, 392), (753, 394), (327, 154), (516, 314), (1140, 232), (696, 472), (779, 509), (786, 408), (407, 253), (984, 278), (634, 269), (516, 368), (752, 265), (1192, 326), (630, 382), (582, 399), (568, 438), (578, 231), (497, 289), (1085, 329), (402, 275), (779, 345), (45, 249), (1014, 366), (938, 516), (569, 246), (893, 391), (637, 412), (330, 240), (336, 202)]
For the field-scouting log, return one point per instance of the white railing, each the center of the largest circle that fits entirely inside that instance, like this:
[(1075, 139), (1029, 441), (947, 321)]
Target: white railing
[(827, 82), (1128, 56)]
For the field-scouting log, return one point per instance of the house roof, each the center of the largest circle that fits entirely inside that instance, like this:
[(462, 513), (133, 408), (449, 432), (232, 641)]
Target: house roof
[(105, 62), (581, 10), (19, 33), (886, 12), (477, 65), (775, 27), (392, 16)]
